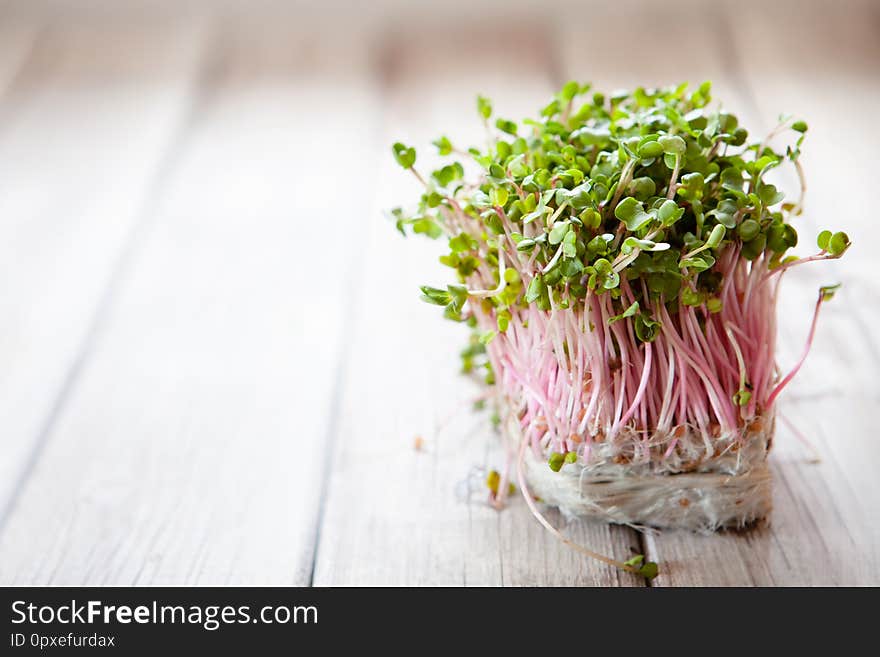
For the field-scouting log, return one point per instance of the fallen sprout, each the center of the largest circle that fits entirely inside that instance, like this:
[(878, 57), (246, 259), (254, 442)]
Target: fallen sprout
[(647, 569)]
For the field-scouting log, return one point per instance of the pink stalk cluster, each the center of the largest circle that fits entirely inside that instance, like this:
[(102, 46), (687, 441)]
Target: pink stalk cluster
[(575, 379)]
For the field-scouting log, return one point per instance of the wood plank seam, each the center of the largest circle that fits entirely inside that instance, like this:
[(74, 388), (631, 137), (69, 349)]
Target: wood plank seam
[(381, 65), (558, 74), (506, 555)]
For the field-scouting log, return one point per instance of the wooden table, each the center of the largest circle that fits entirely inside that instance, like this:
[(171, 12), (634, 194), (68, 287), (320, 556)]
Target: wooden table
[(214, 360)]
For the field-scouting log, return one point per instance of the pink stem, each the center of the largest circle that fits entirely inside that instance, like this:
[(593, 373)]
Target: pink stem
[(788, 377), (646, 372)]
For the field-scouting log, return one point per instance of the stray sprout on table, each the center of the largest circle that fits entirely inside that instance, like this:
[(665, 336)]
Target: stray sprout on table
[(637, 235)]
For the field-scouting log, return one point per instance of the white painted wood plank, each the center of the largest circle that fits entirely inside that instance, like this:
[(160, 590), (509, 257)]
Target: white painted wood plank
[(396, 515), (191, 451), (83, 130)]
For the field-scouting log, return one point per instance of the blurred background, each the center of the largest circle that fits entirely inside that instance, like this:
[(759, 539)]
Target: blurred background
[(214, 366)]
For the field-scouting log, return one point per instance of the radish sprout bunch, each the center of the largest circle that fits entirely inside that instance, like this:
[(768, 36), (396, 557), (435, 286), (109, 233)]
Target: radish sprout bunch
[(618, 258)]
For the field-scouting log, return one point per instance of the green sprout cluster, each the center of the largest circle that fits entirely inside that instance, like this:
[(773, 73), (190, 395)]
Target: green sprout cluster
[(649, 184)]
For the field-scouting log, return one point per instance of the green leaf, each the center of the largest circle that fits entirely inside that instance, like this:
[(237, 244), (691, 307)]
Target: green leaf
[(556, 461), (732, 179), (823, 239), (436, 296), (599, 244), (462, 242), (755, 247), (537, 214), (426, 226), (649, 570), (749, 229), (551, 109), (590, 218), (838, 244), (569, 91), (569, 246), (558, 232), (781, 237), (646, 328), (672, 144), (448, 174), (650, 149), (459, 295), (769, 195), (433, 199), (571, 457), (632, 213), (725, 213), (827, 291), (579, 197), (630, 244), (498, 196), (636, 561), (484, 107), (691, 297), (536, 289), (691, 187), (590, 136), (715, 236), (642, 188), (605, 276), (669, 212), (518, 167), (493, 480), (698, 262), (629, 312), (487, 336), (506, 126), (799, 126), (444, 146), (405, 155), (503, 320)]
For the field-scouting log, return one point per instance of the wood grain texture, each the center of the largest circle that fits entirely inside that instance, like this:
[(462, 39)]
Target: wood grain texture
[(396, 515), (193, 392), (84, 127), (190, 450)]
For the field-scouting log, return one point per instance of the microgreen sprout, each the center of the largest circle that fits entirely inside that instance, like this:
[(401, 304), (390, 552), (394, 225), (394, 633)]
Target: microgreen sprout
[(618, 259), (647, 569)]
